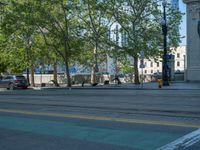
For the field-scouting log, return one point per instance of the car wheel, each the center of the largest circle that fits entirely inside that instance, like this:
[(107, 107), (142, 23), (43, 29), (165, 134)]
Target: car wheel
[(11, 86)]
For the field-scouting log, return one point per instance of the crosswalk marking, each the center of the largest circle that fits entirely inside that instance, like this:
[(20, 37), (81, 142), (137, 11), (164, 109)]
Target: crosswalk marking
[(183, 142)]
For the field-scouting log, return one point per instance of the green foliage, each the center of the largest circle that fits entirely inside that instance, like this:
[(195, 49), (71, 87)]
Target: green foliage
[(43, 31), (174, 21), (138, 22), (94, 21), (126, 67), (18, 30)]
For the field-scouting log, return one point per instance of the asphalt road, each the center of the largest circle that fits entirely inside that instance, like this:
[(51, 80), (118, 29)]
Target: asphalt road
[(99, 119)]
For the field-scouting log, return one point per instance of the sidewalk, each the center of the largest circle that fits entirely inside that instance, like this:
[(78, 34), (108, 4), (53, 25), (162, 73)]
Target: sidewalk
[(175, 86), (131, 86)]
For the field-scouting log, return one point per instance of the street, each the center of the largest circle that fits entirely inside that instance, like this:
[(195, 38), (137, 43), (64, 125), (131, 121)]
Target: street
[(99, 119)]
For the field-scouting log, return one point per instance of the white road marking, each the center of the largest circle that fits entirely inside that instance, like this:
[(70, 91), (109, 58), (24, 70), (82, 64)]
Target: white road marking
[(183, 142)]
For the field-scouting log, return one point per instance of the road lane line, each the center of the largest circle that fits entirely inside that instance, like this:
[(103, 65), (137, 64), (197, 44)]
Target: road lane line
[(183, 142), (101, 118), (143, 111)]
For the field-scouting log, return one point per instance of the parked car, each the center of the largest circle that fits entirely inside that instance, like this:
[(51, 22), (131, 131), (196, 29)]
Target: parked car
[(14, 81), (4, 84)]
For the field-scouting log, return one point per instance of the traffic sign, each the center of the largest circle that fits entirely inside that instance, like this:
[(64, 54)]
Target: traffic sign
[(141, 54), (142, 65)]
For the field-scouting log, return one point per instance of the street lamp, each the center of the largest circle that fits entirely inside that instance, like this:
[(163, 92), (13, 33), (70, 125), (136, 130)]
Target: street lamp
[(198, 28), (165, 68)]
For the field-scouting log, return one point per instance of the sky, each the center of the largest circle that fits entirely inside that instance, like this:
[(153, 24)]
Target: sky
[(183, 24)]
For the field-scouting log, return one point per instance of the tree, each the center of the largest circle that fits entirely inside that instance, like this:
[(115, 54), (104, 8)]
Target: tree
[(58, 24), (95, 21), (18, 27), (74, 30), (140, 26), (174, 17)]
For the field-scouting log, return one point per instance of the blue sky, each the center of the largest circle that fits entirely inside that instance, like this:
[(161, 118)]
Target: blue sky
[(183, 24)]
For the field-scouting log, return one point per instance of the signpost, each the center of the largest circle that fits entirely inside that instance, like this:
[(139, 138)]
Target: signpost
[(141, 54)]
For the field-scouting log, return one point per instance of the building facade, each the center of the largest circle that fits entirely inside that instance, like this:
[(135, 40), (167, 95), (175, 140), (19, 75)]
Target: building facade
[(152, 66), (193, 40)]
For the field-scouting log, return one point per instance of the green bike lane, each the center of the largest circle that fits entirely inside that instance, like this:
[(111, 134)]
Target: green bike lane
[(18, 131)]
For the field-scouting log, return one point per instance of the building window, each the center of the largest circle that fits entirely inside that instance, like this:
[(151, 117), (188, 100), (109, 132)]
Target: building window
[(145, 71), (178, 63), (145, 63), (151, 71), (178, 55), (151, 64), (158, 64)]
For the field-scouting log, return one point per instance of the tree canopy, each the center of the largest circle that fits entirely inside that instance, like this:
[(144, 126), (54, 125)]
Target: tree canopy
[(81, 31)]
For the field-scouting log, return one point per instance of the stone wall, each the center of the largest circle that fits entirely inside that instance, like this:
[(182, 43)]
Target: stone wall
[(193, 41)]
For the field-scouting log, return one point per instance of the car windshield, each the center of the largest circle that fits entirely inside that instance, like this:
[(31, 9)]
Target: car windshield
[(20, 77), (8, 77)]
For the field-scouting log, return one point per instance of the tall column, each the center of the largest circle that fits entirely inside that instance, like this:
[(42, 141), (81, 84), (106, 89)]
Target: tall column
[(193, 40)]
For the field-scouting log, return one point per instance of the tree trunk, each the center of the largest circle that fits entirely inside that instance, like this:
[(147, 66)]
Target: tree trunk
[(27, 67), (93, 74), (131, 77), (68, 74), (94, 67), (27, 75), (32, 75), (55, 77), (136, 80)]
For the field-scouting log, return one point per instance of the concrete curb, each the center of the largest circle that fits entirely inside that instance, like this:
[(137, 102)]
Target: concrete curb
[(109, 88)]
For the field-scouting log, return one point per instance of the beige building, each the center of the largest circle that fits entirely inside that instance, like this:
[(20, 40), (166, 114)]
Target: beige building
[(152, 67), (180, 61)]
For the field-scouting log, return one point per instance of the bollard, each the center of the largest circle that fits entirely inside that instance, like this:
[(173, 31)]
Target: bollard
[(159, 83)]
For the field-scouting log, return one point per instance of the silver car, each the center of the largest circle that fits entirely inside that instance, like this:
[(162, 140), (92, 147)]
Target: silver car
[(14, 81), (4, 84)]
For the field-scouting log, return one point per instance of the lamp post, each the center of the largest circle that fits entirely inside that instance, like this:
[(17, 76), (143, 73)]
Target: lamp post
[(198, 28), (165, 77)]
